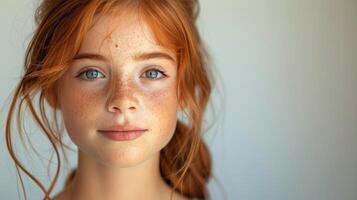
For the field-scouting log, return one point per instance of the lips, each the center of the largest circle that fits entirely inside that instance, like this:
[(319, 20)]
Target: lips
[(122, 133)]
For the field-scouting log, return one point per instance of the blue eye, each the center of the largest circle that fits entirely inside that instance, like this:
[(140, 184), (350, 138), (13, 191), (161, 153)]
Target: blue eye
[(91, 74), (154, 74)]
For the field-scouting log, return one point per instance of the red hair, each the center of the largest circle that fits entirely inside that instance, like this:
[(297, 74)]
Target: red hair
[(185, 163)]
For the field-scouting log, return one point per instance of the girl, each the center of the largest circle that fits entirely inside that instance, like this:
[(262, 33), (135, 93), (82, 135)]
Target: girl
[(131, 82)]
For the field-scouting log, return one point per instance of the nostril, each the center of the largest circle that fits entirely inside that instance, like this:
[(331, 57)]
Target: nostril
[(132, 108), (116, 108)]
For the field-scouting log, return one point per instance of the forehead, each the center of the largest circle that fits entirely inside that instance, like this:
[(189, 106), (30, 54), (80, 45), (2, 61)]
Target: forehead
[(120, 35)]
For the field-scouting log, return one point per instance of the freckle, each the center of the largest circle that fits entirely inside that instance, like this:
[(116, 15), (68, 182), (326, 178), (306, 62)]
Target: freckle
[(159, 95), (116, 45)]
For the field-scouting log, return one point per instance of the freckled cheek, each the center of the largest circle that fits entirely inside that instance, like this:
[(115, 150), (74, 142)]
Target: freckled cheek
[(79, 110), (162, 101), (77, 98), (162, 106), (81, 104)]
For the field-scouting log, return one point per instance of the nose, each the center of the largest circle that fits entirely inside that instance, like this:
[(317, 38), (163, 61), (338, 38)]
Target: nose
[(122, 98)]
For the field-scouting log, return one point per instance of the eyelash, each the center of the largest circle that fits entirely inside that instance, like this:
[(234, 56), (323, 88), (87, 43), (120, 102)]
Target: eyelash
[(151, 69)]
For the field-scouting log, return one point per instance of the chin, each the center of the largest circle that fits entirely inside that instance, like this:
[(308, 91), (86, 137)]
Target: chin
[(125, 159)]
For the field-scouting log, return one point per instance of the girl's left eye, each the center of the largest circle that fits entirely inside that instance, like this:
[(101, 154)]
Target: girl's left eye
[(154, 74)]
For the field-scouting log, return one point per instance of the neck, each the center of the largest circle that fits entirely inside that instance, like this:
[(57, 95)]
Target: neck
[(93, 180)]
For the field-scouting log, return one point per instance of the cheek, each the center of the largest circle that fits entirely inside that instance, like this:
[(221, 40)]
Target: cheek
[(162, 105), (78, 110), (77, 103)]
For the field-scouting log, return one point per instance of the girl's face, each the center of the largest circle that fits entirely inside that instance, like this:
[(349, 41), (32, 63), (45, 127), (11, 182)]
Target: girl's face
[(125, 79)]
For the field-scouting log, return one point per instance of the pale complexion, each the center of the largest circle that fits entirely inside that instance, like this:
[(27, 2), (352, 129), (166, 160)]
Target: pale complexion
[(121, 87)]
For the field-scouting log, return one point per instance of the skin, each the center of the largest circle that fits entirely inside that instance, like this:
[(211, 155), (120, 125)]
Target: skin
[(121, 93)]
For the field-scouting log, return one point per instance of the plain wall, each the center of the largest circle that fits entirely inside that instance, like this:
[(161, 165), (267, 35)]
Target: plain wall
[(289, 68)]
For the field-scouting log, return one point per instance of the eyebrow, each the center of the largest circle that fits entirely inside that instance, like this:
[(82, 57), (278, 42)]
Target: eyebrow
[(151, 55), (137, 57)]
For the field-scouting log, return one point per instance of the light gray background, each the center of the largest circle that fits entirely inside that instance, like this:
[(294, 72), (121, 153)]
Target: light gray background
[(289, 69)]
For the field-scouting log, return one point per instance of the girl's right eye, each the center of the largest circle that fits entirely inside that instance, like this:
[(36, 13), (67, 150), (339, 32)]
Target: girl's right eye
[(91, 74)]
